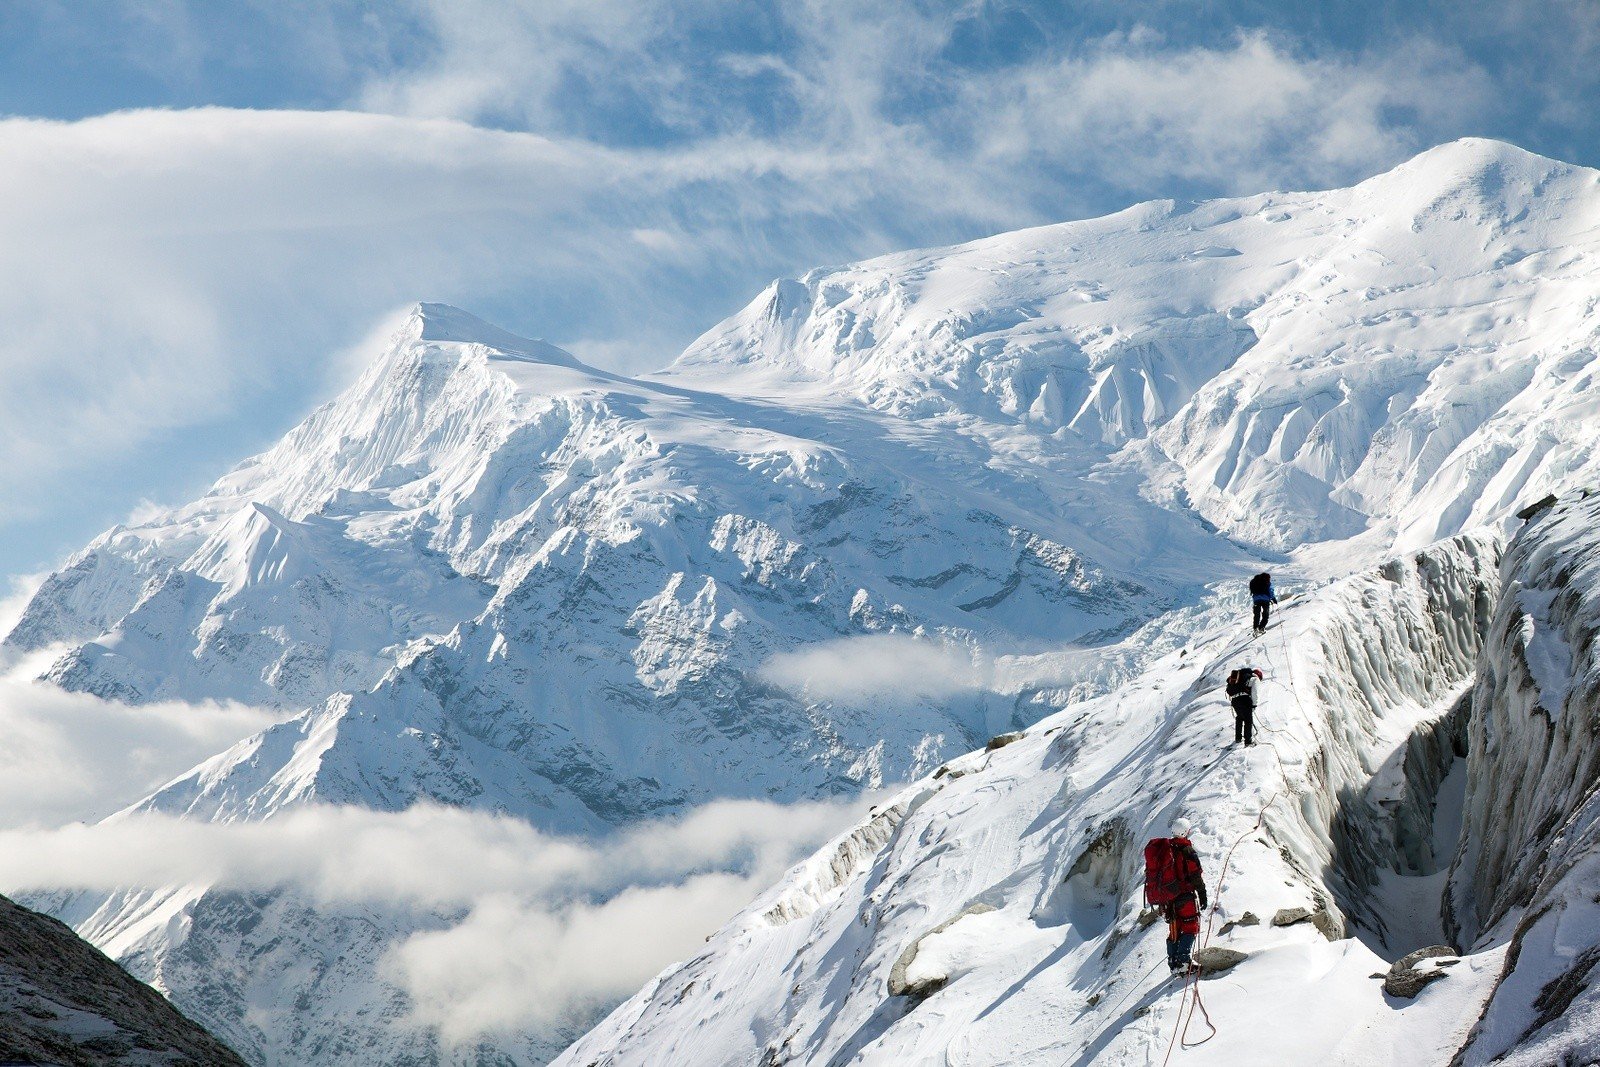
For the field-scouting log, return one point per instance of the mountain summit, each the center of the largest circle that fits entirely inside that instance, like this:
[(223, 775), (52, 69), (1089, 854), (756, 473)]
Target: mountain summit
[(488, 576)]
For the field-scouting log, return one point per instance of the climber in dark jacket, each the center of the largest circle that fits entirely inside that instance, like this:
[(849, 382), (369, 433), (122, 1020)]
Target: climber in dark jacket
[(1262, 598), (1241, 692), (1183, 911)]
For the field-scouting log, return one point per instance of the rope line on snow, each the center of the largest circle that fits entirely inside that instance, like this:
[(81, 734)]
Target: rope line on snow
[(1190, 998)]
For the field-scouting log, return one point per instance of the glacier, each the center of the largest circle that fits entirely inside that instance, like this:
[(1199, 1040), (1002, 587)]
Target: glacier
[(492, 577)]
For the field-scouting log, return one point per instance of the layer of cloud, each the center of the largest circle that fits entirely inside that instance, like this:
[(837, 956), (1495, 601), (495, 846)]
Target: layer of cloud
[(555, 928), (900, 669), (510, 964), (881, 667), (69, 756)]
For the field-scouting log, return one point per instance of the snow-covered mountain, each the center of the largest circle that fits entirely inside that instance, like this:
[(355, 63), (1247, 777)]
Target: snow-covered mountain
[(1403, 870), (497, 578), (994, 917)]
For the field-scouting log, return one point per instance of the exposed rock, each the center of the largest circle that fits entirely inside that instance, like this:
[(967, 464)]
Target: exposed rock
[(1536, 507), (1405, 980), (62, 1002), (1291, 916), (1215, 960), (899, 986), (1328, 925), (1002, 740), (1249, 918)]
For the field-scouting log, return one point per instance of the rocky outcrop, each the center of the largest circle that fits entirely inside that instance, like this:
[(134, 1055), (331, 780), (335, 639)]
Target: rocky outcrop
[(62, 1002), (1406, 978), (902, 983), (1215, 960)]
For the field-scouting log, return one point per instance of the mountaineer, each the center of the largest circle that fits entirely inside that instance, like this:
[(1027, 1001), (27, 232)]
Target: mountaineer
[(1173, 882), (1261, 598), (1241, 692)]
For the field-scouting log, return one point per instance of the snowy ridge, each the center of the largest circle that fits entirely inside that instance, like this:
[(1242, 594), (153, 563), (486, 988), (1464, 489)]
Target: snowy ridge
[(1414, 354), (1037, 844)]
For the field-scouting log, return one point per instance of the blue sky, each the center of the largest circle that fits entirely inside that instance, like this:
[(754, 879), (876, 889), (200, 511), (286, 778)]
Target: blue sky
[(209, 207)]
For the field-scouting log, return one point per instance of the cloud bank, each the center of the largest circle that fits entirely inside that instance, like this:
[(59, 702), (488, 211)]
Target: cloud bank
[(554, 927), (70, 756)]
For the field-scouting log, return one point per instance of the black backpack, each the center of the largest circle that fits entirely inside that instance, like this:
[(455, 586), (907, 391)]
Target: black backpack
[(1239, 683), (1261, 584)]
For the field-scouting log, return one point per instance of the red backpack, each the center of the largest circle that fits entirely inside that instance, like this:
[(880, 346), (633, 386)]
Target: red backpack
[(1165, 878)]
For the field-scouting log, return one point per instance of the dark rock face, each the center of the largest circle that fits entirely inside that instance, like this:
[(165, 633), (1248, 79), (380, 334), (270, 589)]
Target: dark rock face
[(62, 1002), (1404, 980)]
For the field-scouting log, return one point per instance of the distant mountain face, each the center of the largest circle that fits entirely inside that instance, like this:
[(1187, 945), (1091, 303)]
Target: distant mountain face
[(498, 578), (62, 1002)]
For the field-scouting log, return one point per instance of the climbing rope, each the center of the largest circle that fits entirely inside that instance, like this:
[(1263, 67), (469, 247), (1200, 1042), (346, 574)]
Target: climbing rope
[(1189, 999)]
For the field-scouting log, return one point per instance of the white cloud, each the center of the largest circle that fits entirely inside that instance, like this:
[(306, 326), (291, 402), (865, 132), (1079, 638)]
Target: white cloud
[(72, 756), (426, 855), (556, 927), (1248, 117), (900, 669), (511, 964), (881, 667), (15, 602)]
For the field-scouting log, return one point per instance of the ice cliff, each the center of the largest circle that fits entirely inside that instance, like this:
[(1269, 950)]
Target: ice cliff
[(1530, 857)]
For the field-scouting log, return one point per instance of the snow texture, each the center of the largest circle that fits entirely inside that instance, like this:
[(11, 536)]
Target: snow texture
[(1530, 857), (1048, 832)]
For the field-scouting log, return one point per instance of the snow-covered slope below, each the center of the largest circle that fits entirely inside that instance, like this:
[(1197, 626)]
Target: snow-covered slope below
[(1034, 850), (489, 576)]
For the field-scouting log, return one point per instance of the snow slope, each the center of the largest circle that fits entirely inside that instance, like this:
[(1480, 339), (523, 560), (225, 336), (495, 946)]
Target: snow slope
[(494, 577), (1412, 355), (1046, 833)]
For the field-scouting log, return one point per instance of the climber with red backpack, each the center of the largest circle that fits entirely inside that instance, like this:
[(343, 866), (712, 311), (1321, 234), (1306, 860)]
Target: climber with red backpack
[(1173, 882)]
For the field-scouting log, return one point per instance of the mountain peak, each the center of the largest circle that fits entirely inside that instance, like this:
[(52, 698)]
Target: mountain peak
[(444, 323), (1479, 164)]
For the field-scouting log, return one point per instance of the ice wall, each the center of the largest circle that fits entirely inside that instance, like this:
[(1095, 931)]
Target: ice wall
[(1530, 864)]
